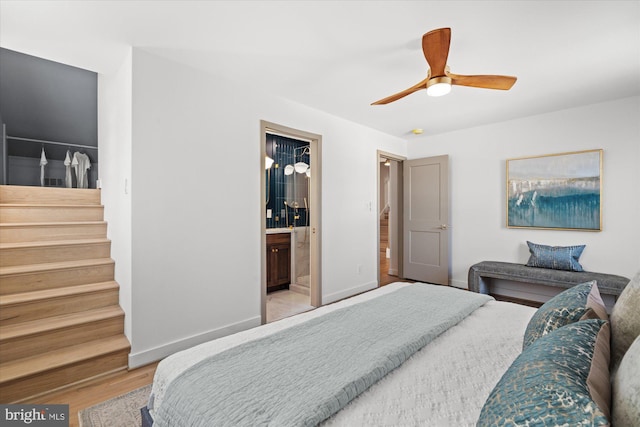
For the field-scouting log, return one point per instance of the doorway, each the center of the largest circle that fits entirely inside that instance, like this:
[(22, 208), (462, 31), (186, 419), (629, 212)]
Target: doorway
[(418, 191), (290, 221), (390, 208), (426, 220)]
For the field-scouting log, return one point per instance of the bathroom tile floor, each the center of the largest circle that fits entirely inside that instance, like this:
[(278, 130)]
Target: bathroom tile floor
[(285, 303)]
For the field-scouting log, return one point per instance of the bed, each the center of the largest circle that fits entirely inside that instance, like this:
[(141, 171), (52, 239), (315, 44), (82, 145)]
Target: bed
[(441, 380)]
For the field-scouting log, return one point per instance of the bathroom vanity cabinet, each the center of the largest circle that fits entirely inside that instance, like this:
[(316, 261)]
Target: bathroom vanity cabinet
[(278, 261)]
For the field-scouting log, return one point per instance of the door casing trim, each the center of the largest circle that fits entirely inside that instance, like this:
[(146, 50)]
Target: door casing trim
[(400, 230), (315, 203)]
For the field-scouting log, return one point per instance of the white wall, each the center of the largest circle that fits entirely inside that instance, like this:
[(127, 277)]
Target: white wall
[(114, 134), (195, 204), (186, 234), (477, 185)]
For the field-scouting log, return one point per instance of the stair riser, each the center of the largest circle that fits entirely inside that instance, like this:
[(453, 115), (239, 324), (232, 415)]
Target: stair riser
[(14, 194), (38, 343), (20, 390), (49, 232), (20, 214), (41, 255), (33, 310), (26, 282)]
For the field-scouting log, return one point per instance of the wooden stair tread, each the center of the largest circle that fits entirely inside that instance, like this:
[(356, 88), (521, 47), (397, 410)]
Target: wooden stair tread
[(34, 268), (58, 322), (47, 205), (49, 230), (47, 243), (46, 195), (24, 297), (21, 368), (11, 213), (49, 224)]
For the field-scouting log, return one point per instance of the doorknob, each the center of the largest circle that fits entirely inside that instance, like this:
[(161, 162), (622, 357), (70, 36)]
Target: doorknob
[(444, 227)]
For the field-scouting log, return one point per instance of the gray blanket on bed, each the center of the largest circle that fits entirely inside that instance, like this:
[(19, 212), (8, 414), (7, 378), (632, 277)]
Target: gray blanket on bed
[(304, 374)]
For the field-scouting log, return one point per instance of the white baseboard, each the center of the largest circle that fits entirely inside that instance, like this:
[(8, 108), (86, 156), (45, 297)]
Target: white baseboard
[(346, 293), (462, 284), (145, 357)]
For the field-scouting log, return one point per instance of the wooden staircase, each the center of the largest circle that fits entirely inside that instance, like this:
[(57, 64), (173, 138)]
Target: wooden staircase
[(384, 235), (385, 279), (60, 321)]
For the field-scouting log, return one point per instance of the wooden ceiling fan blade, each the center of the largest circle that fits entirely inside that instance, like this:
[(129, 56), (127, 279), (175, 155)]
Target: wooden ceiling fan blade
[(483, 81), (395, 97), (435, 46)]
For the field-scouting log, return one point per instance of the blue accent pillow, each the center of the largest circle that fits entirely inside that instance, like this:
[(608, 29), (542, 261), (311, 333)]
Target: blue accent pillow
[(580, 302), (555, 257), (561, 379)]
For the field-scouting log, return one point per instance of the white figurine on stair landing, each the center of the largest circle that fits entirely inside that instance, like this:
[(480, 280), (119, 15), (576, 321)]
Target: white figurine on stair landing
[(81, 164), (43, 162), (68, 182)]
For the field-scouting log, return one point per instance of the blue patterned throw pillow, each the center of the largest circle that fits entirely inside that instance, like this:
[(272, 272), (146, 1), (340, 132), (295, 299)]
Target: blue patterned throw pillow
[(555, 257), (562, 379), (580, 302)]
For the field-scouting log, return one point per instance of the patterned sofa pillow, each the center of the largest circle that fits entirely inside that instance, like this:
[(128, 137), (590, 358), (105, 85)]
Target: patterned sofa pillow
[(555, 257), (580, 302), (561, 379)]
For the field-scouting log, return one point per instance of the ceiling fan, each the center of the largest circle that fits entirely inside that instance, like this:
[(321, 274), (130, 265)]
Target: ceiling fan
[(435, 45)]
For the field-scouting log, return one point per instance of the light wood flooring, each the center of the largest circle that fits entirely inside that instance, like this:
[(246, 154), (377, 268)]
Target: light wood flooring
[(93, 392), (385, 278)]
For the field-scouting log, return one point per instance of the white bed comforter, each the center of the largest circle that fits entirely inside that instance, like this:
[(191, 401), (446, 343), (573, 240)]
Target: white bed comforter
[(444, 384)]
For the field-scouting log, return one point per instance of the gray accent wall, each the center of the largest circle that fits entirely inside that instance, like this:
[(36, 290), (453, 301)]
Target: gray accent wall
[(50, 101), (42, 99), (3, 153)]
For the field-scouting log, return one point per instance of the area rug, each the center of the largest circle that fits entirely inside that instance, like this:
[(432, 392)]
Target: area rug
[(121, 411)]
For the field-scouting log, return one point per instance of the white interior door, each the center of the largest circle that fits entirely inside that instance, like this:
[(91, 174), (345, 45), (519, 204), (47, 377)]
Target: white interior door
[(426, 217)]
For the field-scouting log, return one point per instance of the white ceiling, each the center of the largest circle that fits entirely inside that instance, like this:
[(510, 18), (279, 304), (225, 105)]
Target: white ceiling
[(339, 56)]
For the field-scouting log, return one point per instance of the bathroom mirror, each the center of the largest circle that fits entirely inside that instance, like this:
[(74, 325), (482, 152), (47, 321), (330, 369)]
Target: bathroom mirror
[(297, 190)]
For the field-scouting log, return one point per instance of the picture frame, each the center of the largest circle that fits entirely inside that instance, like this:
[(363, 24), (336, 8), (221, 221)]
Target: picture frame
[(560, 191)]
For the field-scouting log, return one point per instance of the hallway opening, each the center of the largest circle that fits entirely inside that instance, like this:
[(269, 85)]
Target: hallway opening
[(389, 218)]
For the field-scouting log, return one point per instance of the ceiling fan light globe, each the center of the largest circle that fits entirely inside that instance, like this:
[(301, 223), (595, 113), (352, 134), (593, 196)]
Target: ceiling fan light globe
[(439, 89), (439, 86)]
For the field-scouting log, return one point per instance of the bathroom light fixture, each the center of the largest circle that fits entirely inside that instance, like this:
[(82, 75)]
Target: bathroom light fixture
[(387, 162), (438, 86), (417, 131), (268, 162), (288, 170), (301, 167)]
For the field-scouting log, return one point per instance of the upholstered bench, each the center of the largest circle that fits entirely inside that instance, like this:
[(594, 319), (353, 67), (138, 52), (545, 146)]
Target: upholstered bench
[(608, 284)]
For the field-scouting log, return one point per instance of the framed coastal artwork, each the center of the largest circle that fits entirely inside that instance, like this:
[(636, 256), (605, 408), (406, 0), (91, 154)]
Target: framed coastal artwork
[(556, 191)]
